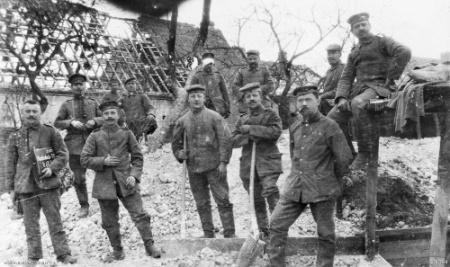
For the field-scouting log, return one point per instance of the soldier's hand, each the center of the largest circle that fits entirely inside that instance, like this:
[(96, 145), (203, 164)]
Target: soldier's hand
[(244, 129), (47, 172), (130, 182), (222, 170), (77, 124), (90, 123), (111, 161), (342, 104), (183, 154), (348, 182)]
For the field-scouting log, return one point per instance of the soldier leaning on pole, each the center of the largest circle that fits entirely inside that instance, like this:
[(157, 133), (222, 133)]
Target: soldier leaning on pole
[(35, 190), (263, 126), (79, 116), (138, 110), (114, 154), (320, 158), (375, 62), (207, 154), (254, 72), (217, 97)]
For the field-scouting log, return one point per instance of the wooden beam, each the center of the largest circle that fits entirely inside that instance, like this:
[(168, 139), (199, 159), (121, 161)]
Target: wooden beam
[(440, 220)]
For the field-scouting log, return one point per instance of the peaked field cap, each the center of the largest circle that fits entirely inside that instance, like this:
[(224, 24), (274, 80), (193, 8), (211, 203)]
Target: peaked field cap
[(129, 80), (249, 86), (77, 77), (334, 47), (364, 16), (208, 55), (445, 57), (252, 52), (108, 104), (303, 90), (195, 87)]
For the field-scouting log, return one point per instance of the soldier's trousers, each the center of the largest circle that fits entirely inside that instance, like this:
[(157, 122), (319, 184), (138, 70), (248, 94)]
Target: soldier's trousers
[(110, 218), (49, 202), (80, 180), (285, 214), (363, 126), (265, 188), (201, 184)]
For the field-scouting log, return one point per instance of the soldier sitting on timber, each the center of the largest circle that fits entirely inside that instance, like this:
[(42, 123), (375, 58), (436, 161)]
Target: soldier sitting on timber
[(114, 154), (207, 154), (263, 126), (217, 98), (375, 62), (138, 110), (251, 74), (79, 116)]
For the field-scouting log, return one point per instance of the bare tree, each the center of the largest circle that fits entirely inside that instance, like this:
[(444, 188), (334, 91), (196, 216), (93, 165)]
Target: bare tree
[(46, 30)]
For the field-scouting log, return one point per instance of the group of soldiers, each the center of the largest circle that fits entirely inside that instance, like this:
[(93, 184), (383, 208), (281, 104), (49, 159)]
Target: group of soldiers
[(104, 138)]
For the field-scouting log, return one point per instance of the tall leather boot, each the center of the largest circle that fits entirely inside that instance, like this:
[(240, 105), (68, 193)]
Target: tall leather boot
[(207, 221), (116, 243), (272, 200), (261, 217), (227, 218)]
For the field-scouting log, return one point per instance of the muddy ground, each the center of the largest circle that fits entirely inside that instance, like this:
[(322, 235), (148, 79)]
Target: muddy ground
[(407, 182)]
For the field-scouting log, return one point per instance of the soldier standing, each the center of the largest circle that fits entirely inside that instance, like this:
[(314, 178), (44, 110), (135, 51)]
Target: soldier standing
[(375, 62), (114, 154), (254, 72), (35, 190), (320, 157), (138, 110), (217, 98), (263, 126), (331, 79), (79, 116), (207, 154)]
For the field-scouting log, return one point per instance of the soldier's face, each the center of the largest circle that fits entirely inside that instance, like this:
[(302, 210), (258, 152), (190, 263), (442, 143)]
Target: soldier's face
[(333, 57), (253, 98), (78, 88), (208, 68), (196, 99), (31, 113), (307, 104), (361, 29), (110, 116), (115, 87), (131, 86), (253, 60)]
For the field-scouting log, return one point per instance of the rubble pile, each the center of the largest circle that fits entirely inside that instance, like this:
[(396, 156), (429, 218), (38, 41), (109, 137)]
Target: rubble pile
[(414, 162)]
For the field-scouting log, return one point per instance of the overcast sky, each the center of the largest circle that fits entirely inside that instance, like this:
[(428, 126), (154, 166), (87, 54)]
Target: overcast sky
[(422, 25)]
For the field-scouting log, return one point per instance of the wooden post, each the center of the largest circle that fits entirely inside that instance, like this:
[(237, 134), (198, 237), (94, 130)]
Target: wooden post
[(371, 189), (439, 225)]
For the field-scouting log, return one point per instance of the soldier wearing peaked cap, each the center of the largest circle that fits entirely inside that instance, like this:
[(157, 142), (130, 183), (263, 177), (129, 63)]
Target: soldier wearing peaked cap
[(207, 153), (38, 188), (262, 126), (139, 112), (372, 66), (320, 158), (217, 97), (254, 72), (79, 116), (114, 154)]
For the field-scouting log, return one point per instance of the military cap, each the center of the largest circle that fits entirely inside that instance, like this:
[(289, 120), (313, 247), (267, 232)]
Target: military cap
[(252, 52), (334, 47), (76, 77), (207, 55), (303, 90), (129, 80), (195, 87), (249, 86), (108, 104), (364, 16)]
